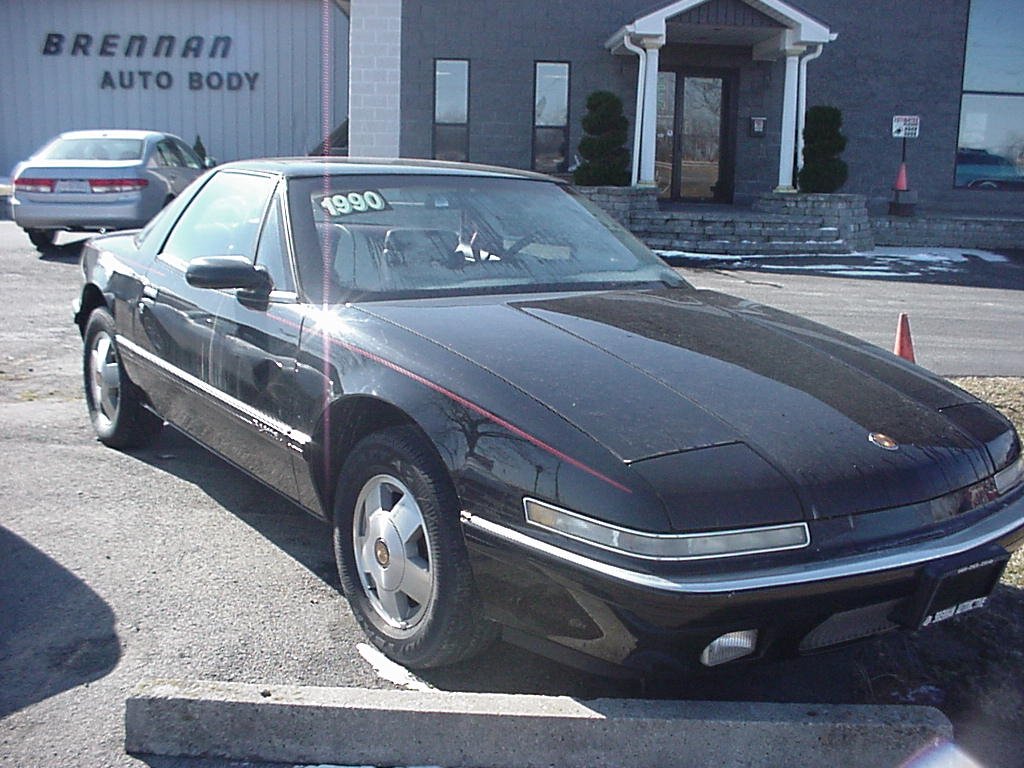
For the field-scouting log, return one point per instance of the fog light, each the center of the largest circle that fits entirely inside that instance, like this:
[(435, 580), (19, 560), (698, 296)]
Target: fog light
[(734, 645)]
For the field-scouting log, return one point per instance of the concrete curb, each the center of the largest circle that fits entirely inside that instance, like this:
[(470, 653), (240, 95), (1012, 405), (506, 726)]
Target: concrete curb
[(473, 730)]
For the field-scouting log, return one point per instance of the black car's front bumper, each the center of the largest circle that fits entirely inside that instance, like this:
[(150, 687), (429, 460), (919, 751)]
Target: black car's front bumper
[(648, 620)]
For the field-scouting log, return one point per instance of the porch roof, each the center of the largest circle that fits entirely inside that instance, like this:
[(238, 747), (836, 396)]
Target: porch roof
[(792, 28)]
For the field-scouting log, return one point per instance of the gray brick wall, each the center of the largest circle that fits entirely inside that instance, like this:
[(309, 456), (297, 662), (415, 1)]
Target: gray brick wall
[(890, 58), (375, 78), (502, 40), (900, 58)]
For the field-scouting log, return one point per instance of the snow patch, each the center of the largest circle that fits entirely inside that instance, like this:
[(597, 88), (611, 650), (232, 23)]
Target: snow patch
[(390, 671)]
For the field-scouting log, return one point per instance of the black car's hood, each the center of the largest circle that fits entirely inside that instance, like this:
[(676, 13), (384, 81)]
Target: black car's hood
[(650, 373)]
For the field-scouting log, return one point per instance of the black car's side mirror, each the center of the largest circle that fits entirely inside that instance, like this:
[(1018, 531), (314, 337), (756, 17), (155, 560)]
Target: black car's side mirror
[(224, 272)]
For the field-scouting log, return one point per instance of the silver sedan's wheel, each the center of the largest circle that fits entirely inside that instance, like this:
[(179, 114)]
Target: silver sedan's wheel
[(401, 555), (115, 404), (392, 551)]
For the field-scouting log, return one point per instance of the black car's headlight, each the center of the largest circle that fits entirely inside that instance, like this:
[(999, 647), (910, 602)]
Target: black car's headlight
[(1010, 477), (667, 546)]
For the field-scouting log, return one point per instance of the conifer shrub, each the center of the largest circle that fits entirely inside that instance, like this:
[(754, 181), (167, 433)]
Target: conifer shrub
[(605, 159), (823, 170)]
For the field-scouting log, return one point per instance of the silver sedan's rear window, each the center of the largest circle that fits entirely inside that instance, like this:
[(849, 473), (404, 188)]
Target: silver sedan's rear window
[(93, 149)]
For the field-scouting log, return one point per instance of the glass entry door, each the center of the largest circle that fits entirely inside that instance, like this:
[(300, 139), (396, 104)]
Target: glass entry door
[(691, 152)]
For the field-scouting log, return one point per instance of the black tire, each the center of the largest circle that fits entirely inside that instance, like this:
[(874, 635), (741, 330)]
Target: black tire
[(115, 403), (42, 239), (445, 628)]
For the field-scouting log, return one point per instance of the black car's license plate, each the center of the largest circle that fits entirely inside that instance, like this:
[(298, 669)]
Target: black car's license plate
[(955, 585)]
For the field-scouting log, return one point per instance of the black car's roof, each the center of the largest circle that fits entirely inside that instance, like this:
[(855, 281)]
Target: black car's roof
[(343, 166)]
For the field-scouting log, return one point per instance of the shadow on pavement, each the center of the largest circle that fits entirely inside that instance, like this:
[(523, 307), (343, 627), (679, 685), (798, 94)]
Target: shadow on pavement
[(55, 632), (291, 529), (950, 267), (67, 253)]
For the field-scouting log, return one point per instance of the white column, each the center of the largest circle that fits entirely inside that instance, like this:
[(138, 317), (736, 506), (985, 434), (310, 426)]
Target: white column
[(375, 77), (650, 114), (638, 112), (789, 110), (801, 106)]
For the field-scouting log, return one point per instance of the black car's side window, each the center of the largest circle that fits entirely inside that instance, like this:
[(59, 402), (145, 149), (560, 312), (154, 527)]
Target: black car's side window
[(272, 252), (222, 220)]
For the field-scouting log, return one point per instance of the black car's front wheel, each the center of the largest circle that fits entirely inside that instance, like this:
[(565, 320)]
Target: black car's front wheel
[(401, 557), (115, 404)]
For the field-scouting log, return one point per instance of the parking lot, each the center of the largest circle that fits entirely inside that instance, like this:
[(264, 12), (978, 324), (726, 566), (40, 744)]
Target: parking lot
[(167, 562)]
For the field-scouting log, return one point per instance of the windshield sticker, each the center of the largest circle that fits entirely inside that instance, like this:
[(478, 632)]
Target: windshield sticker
[(346, 203)]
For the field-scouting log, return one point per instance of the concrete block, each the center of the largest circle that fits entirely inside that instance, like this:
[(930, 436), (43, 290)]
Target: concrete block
[(480, 730)]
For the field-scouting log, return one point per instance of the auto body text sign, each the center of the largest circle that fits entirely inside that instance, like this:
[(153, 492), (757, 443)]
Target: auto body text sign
[(163, 48)]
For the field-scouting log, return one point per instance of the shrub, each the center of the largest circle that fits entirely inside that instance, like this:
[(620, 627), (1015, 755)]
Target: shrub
[(823, 170), (605, 159)]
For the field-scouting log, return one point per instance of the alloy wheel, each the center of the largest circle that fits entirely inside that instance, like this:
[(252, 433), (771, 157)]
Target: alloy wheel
[(392, 551), (105, 379)]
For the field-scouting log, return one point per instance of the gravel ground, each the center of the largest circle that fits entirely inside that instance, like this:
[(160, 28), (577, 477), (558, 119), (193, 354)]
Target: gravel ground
[(1006, 394)]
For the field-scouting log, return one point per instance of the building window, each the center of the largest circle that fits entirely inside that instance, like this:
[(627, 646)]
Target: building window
[(451, 109), (550, 116), (990, 150)]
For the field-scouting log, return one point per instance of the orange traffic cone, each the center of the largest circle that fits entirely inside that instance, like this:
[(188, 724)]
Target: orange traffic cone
[(904, 346), (901, 184)]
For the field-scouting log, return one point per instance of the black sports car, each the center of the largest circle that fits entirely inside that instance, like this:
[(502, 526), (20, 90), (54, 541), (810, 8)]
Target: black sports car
[(517, 418)]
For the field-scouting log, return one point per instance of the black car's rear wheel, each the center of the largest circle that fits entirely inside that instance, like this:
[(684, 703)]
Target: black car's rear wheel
[(114, 402), (400, 554), (42, 239)]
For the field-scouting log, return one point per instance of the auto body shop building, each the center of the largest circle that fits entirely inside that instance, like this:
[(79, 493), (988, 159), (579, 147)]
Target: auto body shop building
[(717, 88), (248, 76)]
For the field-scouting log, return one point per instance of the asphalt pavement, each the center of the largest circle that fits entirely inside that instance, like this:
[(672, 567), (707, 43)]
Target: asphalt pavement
[(966, 307), (167, 562)]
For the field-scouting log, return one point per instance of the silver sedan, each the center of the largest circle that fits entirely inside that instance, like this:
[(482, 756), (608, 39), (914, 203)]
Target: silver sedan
[(100, 180)]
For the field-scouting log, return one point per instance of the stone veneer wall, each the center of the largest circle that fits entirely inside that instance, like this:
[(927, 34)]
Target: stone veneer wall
[(949, 231), (847, 213), (622, 202), (797, 223)]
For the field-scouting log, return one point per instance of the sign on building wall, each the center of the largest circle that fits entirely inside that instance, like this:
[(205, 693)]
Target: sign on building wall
[(906, 126), (141, 49), (252, 78)]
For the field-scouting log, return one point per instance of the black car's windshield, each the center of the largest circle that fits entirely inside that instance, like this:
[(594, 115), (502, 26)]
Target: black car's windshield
[(92, 149), (397, 235)]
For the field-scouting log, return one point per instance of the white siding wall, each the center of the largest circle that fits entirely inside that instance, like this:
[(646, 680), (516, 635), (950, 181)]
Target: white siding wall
[(278, 40), (375, 63)]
